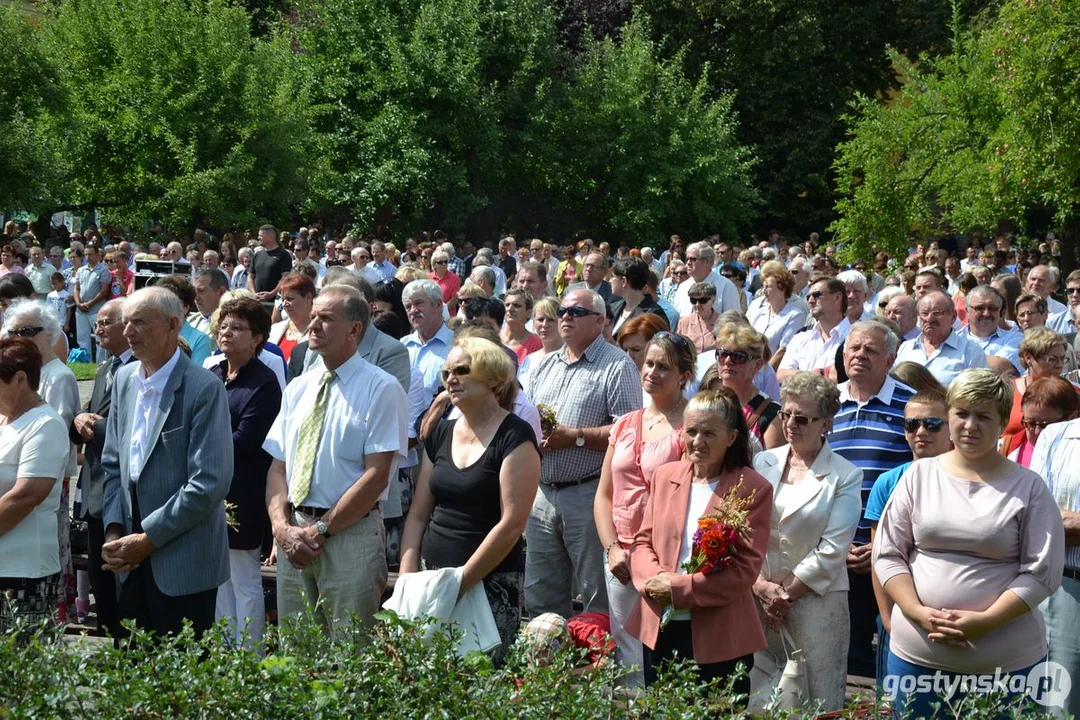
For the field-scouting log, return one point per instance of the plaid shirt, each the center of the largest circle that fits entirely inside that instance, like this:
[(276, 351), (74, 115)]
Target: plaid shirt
[(600, 387), (457, 266)]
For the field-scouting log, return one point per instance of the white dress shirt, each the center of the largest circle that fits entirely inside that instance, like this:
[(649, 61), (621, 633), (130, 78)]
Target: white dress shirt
[(727, 295), (366, 413), (147, 400), (779, 327), (809, 351)]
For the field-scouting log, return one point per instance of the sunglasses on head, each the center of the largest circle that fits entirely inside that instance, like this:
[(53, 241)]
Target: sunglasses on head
[(737, 357), (800, 420), (27, 332), (679, 340), (574, 311), (932, 424), (459, 371), (701, 300)]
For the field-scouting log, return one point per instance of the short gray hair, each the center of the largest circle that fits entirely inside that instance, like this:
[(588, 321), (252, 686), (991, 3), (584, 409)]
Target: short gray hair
[(536, 267), (356, 307), (704, 250), (429, 289), (988, 291), (892, 342), (853, 277), (484, 273), (165, 301), (448, 248), (595, 300), (887, 293), (25, 311), (440, 254), (484, 256), (805, 385), (243, 252)]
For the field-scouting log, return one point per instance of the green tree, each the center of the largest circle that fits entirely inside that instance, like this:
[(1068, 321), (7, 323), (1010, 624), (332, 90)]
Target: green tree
[(33, 122), (178, 112), (639, 149)]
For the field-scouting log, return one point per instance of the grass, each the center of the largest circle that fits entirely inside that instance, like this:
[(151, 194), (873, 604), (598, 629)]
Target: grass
[(83, 371)]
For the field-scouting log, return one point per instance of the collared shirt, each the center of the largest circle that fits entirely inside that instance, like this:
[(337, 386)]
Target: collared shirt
[(1057, 461), (90, 281), (1000, 343), (727, 295), (1061, 323), (200, 322), (366, 413), (807, 350), (600, 387), (386, 269), (957, 353), (1054, 307), (40, 277), (147, 399), (457, 266), (239, 278), (699, 331), (500, 280), (449, 283), (429, 357), (870, 435), (779, 327), (369, 272)]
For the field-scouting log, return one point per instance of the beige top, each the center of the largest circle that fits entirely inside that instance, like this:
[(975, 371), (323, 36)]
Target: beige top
[(964, 543)]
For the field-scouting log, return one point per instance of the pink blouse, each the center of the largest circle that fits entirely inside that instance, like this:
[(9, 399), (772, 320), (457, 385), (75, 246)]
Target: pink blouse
[(632, 466)]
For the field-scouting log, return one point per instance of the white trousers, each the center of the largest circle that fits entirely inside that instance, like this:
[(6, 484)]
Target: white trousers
[(240, 599)]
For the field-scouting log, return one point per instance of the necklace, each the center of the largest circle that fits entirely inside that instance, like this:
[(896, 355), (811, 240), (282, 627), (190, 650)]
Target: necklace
[(664, 416)]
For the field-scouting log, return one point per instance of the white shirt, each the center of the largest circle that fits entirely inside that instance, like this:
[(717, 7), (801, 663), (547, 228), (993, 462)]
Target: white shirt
[(727, 295), (701, 495), (779, 327), (366, 413), (809, 351), (369, 273), (147, 400)]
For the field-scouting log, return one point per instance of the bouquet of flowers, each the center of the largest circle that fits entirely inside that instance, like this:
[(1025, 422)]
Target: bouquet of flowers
[(548, 423), (720, 532)]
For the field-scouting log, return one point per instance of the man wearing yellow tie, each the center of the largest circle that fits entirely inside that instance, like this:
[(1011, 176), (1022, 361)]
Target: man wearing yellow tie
[(338, 436)]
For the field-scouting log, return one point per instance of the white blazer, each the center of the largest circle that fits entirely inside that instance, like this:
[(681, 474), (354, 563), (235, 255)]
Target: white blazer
[(819, 521)]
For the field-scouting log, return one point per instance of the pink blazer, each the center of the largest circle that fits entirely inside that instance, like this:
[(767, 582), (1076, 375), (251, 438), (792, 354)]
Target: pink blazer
[(722, 611)]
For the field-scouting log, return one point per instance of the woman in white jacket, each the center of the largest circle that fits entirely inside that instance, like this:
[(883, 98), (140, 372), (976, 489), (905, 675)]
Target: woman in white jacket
[(816, 507)]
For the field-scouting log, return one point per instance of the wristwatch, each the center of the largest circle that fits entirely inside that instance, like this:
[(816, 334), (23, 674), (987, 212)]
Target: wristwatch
[(580, 439), (322, 528)]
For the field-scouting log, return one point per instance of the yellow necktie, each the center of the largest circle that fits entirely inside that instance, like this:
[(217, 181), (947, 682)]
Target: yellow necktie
[(307, 444)]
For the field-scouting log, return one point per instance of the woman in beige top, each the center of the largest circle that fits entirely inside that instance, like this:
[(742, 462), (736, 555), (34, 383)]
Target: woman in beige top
[(968, 546)]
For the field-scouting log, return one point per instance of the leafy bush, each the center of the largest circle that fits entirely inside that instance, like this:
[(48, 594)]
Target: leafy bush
[(387, 671)]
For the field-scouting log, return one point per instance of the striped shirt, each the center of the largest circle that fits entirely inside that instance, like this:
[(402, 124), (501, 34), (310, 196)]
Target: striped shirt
[(870, 436), (1057, 460)]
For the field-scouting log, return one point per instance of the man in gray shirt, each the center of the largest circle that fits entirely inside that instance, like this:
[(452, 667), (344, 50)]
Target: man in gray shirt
[(92, 285), (588, 383)]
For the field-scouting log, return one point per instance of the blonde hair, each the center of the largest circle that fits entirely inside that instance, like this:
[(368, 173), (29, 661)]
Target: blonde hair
[(979, 386), (1038, 341), (410, 273), (743, 336), (547, 307), (470, 290), (492, 366)]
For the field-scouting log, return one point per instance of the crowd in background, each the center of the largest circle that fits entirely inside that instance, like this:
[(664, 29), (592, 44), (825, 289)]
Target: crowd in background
[(901, 429)]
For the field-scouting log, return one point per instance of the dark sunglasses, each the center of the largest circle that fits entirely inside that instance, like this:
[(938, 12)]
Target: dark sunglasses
[(701, 300), (817, 294), (883, 305), (800, 420), (574, 311), (460, 371), (737, 357), (441, 262), (679, 340), (1072, 290), (932, 424), (27, 332), (1037, 424)]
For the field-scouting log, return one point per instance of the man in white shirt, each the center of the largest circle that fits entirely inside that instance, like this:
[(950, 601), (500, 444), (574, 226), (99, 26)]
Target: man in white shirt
[(430, 342), (901, 310), (362, 266), (39, 273), (699, 261), (939, 348), (334, 443), (857, 291), (1042, 281), (484, 258), (815, 348)]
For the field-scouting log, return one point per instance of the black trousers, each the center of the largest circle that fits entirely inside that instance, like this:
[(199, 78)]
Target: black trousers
[(103, 582), (863, 610), (143, 601), (677, 639)]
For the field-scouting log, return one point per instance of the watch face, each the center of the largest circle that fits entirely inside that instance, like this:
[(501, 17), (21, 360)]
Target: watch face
[(580, 441)]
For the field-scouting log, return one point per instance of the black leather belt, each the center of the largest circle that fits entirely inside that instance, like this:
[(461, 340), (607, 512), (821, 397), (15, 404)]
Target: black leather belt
[(570, 483), (1072, 574), (310, 510)]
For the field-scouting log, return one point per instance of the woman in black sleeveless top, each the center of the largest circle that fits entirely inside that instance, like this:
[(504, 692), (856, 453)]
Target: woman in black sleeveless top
[(476, 485)]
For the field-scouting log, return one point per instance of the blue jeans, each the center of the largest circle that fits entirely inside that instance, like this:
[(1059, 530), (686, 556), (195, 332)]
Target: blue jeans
[(915, 699), (882, 659)]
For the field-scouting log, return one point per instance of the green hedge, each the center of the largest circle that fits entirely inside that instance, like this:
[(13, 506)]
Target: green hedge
[(387, 672)]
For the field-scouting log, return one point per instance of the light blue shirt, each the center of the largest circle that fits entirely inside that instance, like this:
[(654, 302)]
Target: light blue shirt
[(198, 342), (1057, 460), (430, 357), (957, 353), (1000, 343), (669, 310), (386, 269)]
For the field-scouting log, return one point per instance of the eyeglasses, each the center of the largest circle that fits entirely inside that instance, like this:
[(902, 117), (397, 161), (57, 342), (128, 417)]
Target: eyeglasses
[(673, 337), (737, 357), (817, 294), (229, 327), (883, 305), (800, 420), (102, 324), (1053, 359), (1072, 290), (932, 424), (680, 273), (27, 332), (692, 259), (926, 315), (459, 371), (701, 300), (574, 311), (1037, 424)]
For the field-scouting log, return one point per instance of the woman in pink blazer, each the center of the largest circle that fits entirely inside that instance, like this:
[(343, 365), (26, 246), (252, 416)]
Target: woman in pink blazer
[(715, 621)]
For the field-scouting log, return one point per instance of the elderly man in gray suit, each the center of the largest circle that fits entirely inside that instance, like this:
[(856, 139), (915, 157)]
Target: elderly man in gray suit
[(167, 460)]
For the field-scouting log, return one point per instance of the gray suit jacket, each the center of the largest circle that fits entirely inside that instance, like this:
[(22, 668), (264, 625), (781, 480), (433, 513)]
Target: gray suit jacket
[(183, 484), (380, 350)]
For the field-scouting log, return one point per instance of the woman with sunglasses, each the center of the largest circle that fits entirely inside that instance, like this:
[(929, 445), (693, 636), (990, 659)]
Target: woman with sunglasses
[(1046, 401), (698, 325), (740, 356), (715, 620), (640, 442), (477, 481), (802, 590), (774, 314), (1042, 355), (37, 321), (33, 458), (968, 546)]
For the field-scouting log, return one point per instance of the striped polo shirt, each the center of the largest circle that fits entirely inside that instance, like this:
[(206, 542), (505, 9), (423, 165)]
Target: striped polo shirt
[(870, 436)]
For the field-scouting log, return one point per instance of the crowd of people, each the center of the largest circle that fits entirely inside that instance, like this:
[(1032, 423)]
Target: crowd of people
[(558, 421)]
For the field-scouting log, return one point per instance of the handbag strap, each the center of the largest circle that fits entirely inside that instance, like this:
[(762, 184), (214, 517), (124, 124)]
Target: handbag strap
[(786, 640)]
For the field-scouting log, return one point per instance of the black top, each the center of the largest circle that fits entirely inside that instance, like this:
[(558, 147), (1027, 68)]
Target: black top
[(268, 266), (254, 402), (772, 409), (467, 501)]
